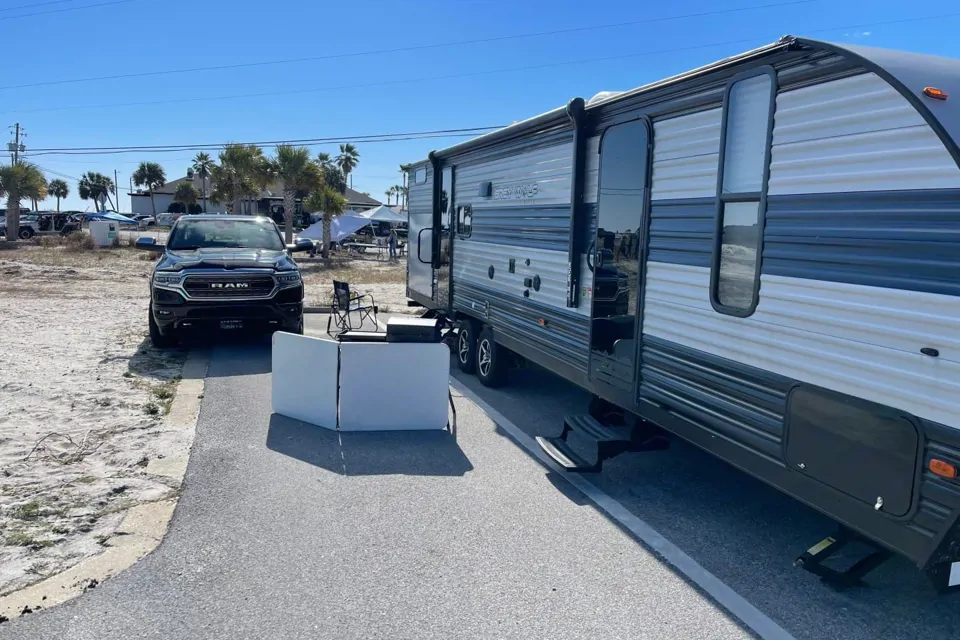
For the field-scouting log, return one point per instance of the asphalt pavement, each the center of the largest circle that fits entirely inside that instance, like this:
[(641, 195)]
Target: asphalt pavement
[(290, 531)]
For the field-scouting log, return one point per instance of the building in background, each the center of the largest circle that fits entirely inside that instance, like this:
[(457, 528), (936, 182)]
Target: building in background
[(267, 204)]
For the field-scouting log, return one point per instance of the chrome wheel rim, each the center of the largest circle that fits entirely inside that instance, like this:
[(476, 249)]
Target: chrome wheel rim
[(463, 346), (483, 361)]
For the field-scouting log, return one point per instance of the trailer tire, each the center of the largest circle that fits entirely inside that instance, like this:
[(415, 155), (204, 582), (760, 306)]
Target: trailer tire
[(467, 346), (492, 360)]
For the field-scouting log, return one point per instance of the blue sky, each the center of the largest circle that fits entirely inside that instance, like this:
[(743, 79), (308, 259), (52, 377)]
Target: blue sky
[(388, 92)]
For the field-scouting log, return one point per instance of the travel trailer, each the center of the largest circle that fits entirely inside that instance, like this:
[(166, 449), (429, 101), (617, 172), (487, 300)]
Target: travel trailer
[(760, 256)]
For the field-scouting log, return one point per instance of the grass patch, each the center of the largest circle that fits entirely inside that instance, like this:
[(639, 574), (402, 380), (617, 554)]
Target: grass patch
[(39, 568), (165, 393), (22, 539), (102, 540), (86, 479), (152, 409), (27, 510)]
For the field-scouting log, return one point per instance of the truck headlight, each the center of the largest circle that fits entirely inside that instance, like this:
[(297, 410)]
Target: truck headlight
[(289, 278), (167, 278)]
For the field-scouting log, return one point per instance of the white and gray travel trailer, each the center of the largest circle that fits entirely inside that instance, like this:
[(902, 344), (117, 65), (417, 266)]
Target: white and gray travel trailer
[(761, 256)]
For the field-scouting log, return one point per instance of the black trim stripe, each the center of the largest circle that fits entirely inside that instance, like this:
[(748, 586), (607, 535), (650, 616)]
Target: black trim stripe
[(897, 239)]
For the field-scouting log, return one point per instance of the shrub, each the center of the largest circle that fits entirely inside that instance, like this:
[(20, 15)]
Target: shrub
[(78, 242)]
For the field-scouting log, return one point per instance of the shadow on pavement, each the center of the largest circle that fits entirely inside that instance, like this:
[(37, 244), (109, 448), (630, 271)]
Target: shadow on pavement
[(240, 356), (420, 453)]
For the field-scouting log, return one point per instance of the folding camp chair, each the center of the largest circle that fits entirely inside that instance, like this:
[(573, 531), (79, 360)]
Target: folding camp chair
[(346, 303)]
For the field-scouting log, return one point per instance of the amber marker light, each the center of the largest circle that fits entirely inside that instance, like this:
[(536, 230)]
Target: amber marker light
[(936, 94), (944, 469)]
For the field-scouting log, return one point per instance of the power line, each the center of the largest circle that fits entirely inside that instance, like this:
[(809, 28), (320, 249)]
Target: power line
[(374, 52), (64, 10), (467, 74), (57, 173), (37, 4), (165, 147)]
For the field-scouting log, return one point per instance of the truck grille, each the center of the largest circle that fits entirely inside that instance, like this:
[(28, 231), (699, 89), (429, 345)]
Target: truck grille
[(228, 286)]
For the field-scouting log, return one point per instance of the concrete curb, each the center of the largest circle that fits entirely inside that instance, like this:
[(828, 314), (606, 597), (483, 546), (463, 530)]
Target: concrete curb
[(143, 526)]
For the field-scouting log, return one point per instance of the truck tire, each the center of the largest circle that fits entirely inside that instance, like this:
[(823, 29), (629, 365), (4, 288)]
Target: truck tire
[(467, 346), (157, 339), (492, 360), (26, 233)]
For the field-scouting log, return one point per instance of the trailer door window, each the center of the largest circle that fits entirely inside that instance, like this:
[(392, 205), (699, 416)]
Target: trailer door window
[(464, 221), (741, 193)]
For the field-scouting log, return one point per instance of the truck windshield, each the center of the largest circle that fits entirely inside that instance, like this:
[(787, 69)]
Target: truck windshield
[(226, 234)]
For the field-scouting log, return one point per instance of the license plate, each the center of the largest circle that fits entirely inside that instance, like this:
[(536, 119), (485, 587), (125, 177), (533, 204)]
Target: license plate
[(231, 324)]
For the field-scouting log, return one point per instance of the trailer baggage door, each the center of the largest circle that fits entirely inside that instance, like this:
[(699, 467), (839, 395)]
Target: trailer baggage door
[(615, 258), (420, 273)]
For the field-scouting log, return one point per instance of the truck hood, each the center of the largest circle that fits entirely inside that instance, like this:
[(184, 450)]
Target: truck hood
[(226, 259)]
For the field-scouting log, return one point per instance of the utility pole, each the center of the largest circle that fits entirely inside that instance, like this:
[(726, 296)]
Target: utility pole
[(116, 184), (16, 147)]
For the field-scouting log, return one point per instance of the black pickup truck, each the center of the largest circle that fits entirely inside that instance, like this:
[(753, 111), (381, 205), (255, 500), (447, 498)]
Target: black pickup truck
[(221, 272)]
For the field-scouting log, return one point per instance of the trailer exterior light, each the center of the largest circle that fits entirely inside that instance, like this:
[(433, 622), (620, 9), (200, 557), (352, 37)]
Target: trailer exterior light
[(942, 468), (936, 94)]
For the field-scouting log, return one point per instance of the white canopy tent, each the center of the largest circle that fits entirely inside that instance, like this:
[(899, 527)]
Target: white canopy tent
[(341, 227), (382, 213)]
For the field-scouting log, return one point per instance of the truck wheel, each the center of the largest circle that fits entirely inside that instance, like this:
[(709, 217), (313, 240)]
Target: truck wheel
[(26, 234), (492, 360), (157, 339), (467, 346)]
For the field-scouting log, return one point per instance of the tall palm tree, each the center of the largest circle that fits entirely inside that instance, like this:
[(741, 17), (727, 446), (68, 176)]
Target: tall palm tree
[(331, 203), (389, 193), (404, 170), (151, 176), (347, 161), (186, 194), (58, 189), (397, 191), (97, 187), (203, 167), (17, 181), (293, 167), (324, 159)]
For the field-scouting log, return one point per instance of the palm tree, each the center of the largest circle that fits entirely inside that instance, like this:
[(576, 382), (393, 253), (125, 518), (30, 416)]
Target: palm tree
[(151, 176), (324, 159), (389, 193), (17, 181), (331, 203), (186, 194), (58, 189), (404, 170), (348, 160), (97, 187), (293, 167), (203, 167), (397, 191), (242, 171)]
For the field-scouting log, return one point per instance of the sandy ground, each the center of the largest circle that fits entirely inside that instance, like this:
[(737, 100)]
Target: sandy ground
[(83, 396)]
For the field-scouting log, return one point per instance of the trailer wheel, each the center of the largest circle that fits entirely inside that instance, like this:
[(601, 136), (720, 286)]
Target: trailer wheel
[(492, 360), (467, 346)]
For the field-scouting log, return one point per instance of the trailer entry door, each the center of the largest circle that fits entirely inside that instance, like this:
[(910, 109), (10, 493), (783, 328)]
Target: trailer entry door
[(614, 256), (443, 250), (420, 274)]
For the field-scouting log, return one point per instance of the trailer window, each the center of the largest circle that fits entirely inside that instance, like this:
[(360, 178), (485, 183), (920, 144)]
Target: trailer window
[(741, 193), (420, 177), (464, 221)]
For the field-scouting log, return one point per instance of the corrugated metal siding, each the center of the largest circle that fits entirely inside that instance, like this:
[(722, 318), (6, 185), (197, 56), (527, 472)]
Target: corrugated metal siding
[(472, 261), (682, 232), (544, 227), (591, 183), (740, 403), (686, 152), (565, 336), (548, 167), (420, 198), (901, 240), (809, 333), (854, 134)]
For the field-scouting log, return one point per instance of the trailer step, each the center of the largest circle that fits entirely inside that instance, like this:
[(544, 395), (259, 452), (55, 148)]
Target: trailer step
[(559, 450), (611, 440)]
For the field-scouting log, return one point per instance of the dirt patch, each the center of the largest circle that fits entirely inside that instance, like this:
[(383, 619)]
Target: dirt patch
[(384, 280), (83, 397)]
